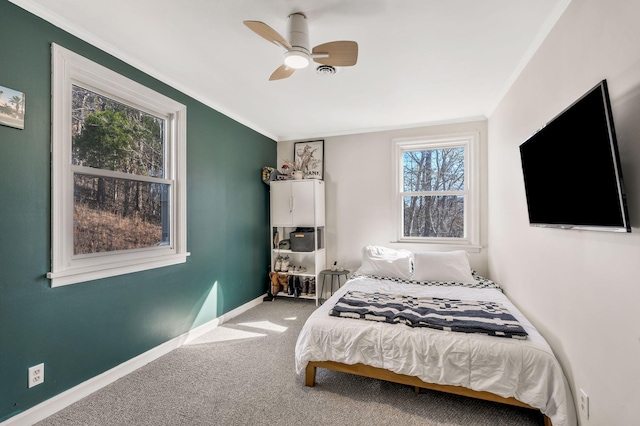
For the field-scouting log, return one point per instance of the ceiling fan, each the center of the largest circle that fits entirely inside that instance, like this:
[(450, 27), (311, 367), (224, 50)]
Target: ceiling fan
[(297, 54)]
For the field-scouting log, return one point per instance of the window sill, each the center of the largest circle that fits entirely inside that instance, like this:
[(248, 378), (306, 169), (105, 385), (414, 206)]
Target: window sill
[(469, 248), (67, 277)]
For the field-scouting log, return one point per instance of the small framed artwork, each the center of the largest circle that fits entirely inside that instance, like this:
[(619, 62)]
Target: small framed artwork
[(310, 157), (12, 107)]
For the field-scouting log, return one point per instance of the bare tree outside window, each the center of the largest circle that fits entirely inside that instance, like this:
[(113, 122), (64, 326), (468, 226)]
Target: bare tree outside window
[(125, 209), (433, 193)]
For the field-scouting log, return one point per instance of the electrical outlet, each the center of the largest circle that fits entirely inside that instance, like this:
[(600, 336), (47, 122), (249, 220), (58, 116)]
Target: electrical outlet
[(584, 403), (36, 375)]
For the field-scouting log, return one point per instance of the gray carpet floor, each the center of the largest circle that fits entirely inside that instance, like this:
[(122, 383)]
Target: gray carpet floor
[(242, 373)]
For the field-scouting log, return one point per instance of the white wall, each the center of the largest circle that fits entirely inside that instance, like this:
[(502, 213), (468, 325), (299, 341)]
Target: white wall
[(580, 288), (358, 191)]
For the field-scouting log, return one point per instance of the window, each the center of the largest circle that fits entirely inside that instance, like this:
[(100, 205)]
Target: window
[(435, 195), (118, 174)]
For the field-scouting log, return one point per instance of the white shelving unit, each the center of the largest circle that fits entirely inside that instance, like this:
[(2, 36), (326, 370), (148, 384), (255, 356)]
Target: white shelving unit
[(299, 204)]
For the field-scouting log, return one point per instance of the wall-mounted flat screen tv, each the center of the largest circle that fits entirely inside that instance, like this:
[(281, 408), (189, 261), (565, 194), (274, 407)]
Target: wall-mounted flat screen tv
[(571, 168)]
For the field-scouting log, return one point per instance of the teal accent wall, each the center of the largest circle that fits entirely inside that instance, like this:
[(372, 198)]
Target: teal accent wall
[(82, 330)]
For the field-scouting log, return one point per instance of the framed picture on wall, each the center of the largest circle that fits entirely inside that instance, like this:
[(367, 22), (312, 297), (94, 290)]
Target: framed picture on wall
[(310, 155), (12, 107)]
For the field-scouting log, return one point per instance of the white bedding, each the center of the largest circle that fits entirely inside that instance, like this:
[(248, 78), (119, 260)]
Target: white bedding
[(524, 369)]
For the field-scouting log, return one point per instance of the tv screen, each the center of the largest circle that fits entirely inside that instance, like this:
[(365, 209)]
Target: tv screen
[(571, 168)]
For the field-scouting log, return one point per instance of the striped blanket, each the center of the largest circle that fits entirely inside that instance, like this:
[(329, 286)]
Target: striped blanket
[(490, 318)]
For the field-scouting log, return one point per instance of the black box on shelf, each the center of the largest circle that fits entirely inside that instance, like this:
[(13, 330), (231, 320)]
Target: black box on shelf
[(302, 239)]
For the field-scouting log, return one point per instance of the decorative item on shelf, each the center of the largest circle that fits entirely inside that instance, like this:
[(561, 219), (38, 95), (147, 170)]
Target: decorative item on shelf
[(266, 173), (284, 245), (286, 173), (270, 174), (295, 167), (307, 161)]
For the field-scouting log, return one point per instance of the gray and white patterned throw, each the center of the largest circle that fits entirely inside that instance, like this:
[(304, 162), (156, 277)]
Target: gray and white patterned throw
[(481, 282), (466, 316)]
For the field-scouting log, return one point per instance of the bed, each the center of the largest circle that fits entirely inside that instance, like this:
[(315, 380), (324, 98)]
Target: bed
[(517, 371)]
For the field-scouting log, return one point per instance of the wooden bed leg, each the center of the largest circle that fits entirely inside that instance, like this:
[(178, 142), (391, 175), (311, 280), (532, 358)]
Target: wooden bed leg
[(310, 375), (417, 389), (547, 421)]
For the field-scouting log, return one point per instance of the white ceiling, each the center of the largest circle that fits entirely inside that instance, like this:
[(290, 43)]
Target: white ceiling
[(420, 61)]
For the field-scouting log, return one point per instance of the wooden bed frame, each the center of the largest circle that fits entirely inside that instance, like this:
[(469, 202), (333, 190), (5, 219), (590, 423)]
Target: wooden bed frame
[(382, 374)]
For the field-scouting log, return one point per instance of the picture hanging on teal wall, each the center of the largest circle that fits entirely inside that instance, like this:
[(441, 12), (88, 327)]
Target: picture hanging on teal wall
[(12, 107)]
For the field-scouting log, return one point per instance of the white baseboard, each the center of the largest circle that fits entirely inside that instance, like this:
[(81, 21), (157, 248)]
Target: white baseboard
[(76, 393)]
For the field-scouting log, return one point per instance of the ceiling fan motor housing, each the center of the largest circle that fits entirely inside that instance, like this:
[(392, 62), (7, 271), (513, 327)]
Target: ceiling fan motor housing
[(299, 55)]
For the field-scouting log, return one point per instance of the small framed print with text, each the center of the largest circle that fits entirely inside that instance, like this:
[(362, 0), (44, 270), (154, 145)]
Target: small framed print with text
[(310, 155)]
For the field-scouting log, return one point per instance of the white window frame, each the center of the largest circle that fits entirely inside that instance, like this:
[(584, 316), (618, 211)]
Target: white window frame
[(68, 69), (470, 143)]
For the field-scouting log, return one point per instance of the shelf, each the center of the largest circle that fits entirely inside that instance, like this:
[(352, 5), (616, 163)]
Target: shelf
[(298, 206), (307, 273), (282, 251), (283, 294)]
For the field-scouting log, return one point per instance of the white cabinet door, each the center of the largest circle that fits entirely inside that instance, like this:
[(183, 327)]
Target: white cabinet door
[(303, 203), (281, 204), (293, 203)]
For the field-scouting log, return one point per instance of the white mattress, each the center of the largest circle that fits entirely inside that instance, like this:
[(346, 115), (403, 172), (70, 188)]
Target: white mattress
[(524, 369)]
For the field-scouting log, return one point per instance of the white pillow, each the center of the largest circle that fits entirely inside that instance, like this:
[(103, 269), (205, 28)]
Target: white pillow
[(385, 262), (442, 266)]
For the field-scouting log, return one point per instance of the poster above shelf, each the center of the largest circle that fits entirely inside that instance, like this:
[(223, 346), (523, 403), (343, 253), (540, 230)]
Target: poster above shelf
[(310, 156)]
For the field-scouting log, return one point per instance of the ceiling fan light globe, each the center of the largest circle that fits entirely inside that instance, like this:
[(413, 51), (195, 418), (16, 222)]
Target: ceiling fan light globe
[(296, 60)]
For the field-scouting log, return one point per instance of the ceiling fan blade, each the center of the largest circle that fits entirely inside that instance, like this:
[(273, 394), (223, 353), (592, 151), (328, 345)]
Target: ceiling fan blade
[(339, 53), (283, 71), (268, 33)]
